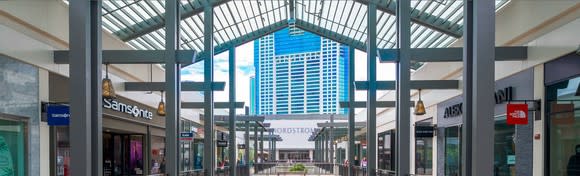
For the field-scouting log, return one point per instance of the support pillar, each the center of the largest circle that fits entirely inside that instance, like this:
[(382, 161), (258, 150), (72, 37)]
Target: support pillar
[(208, 147), (351, 110), (232, 150), (482, 45), (96, 93), (247, 143), (466, 130), (372, 91), (262, 145), (82, 47), (331, 140), (255, 144)]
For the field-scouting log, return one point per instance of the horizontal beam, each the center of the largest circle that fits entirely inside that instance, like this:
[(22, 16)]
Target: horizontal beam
[(362, 104), (415, 84), (341, 124), (242, 118), (216, 105), (455, 54), (185, 57), (160, 86)]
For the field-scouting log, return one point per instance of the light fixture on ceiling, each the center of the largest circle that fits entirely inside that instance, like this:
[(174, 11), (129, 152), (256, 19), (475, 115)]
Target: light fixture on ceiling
[(108, 90), (420, 107), (161, 106)]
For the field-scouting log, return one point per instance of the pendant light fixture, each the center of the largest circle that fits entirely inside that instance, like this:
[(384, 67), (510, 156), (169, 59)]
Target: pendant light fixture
[(108, 90), (420, 107), (161, 106)]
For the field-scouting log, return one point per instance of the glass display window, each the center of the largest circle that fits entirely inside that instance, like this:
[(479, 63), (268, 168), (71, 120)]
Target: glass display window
[(13, 147), (452, 151), (563, 121)]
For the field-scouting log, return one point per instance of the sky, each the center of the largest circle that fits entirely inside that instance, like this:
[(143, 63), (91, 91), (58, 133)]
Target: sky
[(245, 69)]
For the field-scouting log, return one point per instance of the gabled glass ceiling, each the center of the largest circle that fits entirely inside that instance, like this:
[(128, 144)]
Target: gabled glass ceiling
[(435, 23)]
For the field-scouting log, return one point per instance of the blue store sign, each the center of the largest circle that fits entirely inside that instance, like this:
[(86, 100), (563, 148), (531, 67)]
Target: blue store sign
[(57, 115)]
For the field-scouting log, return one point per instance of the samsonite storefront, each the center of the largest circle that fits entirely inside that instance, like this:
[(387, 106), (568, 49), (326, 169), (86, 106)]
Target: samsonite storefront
[(512, 143)]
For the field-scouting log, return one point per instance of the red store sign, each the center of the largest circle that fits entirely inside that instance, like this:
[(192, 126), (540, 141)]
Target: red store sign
[(517, 114)]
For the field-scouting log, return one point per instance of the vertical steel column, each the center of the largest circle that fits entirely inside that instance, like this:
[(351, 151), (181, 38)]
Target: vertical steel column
[(483, 86), (351, 113), (328, 146), (247, 143), (324, 147), (331, 140), (80, 85), (262, 144), (315, 149), (271, 146), (256, 144), (403, 123), (172, 87), (466, 130), (96, 84), (232, 118), (275, 148), (147, 153), (372, 91), (208, 147)]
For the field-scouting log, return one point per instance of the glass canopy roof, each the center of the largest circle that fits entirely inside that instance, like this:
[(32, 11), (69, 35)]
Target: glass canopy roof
[(140, 23)]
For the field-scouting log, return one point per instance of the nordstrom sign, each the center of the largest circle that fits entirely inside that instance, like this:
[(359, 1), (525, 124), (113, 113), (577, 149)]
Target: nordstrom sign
[(132, 110)]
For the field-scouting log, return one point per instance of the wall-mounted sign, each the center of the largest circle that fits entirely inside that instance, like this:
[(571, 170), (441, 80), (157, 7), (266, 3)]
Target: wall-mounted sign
[(222, 143), (517, 114), (57, 115), (132, 110), (453, 110), (241, 146), (186, 136), (424, 131), (503, 95)]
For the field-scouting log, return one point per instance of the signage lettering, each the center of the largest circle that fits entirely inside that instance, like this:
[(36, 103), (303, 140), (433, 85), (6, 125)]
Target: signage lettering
[(133, 110), (424, 131), (453, 111), (504, 95)]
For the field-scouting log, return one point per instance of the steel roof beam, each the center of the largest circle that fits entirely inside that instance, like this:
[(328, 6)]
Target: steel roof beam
[(240, 118), (425, 19), (160, 86), (362, 104), (415, 84), (157, 22), (244, 39), (341, 124), (217, 105), (330, 34), (455, 54), (132, 56)]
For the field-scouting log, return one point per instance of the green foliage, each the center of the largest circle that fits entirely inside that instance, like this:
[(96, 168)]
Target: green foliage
[(298, 168)]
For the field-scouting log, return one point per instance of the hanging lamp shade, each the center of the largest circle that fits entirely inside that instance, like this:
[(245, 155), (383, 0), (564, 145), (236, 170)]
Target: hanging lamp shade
[(161, 107), (108, 90), (420, 107)]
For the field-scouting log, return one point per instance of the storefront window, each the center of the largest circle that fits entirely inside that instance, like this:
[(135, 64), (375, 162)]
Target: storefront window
[(12, 147), (386, 150), (122, 154), (452, 151), (504, 148), (424, 156), (62, 151), (563, 116), (157, 155)]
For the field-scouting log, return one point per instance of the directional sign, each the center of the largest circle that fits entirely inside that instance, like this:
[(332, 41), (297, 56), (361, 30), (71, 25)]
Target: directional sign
[(186, 136)]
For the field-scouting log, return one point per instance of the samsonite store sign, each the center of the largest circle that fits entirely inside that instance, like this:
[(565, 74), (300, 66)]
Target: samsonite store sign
[(132, 110)]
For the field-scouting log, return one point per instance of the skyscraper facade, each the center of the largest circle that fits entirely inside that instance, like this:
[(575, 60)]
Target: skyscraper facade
[(298, 72)]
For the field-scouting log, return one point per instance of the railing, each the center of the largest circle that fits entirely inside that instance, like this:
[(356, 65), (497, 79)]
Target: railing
[(361, 171), (282, 168), (222, 171)]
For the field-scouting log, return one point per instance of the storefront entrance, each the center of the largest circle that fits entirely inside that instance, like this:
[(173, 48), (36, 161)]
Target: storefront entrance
[(122, 154)]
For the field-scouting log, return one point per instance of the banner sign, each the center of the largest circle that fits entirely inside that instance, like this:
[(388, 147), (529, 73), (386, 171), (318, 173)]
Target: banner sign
[(424, 131), (517, 114), (222, 143), (186, 136), (241, 146), (57, 115)]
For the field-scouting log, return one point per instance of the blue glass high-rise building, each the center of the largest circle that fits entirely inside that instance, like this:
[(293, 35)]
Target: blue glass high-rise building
[(298, 72)]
